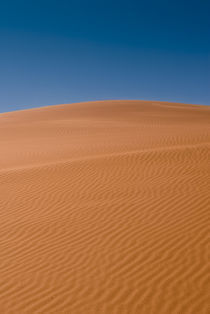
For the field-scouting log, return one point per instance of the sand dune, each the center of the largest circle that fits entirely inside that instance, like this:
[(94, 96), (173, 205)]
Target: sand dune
[(104, 209)]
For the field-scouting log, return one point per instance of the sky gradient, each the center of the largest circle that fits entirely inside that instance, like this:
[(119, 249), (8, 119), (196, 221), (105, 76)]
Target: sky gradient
[(55, 52)]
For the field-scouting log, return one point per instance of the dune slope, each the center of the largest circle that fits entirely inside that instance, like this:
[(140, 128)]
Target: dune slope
[(104, 209)]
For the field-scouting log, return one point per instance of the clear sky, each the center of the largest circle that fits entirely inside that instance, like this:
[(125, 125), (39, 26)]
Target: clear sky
[(60, 51)]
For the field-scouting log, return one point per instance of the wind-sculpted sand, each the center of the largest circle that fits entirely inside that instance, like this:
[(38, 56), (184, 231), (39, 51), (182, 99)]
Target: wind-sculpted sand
[(104, 209)]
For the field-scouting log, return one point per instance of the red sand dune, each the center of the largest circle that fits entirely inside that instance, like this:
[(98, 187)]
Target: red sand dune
[(104, 209)]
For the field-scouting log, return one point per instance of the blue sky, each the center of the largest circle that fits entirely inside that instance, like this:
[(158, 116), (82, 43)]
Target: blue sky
[(54, 52)]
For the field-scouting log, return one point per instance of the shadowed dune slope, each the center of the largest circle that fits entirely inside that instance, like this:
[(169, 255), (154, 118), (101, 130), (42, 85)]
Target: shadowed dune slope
[(104, 209)]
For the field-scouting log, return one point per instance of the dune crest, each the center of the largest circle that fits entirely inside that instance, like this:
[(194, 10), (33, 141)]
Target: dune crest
[(104, 208)]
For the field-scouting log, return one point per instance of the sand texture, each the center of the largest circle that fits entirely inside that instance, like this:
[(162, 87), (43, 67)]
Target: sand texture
[(104, 209)]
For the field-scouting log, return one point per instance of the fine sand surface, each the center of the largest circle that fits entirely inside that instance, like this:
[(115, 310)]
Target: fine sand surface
[(104, 209)]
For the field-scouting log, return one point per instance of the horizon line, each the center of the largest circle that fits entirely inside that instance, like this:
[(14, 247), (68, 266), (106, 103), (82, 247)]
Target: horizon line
[(100, 100)]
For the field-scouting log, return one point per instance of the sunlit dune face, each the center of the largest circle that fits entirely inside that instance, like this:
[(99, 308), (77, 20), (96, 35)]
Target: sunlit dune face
[(104, 208)]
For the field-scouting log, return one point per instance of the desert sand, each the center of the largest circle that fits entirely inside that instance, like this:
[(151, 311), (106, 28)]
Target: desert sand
[(104, 209)]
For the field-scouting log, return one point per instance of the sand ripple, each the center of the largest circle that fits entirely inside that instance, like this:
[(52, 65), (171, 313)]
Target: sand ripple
[(104, 209)]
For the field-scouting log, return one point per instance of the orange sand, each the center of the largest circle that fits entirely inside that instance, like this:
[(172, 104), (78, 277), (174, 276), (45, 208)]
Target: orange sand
[(104, 209)]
